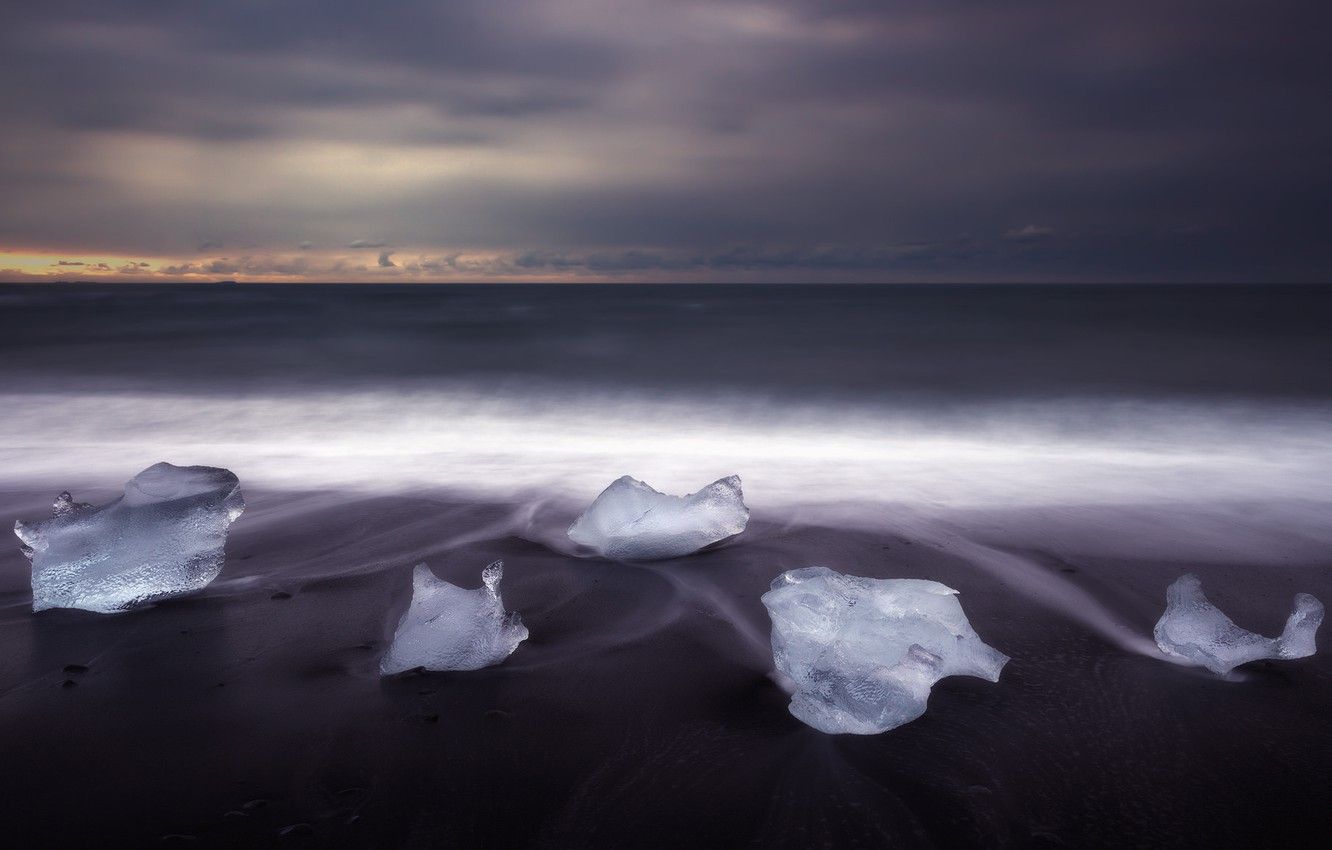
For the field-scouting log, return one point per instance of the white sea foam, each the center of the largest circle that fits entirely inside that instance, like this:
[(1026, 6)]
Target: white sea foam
[(562, 441)]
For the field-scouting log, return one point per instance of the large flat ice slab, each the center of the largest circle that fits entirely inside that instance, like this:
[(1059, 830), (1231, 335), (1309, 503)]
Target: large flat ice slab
[(634, 522), (449, 628), (863, 653), (1195, 630), (163, 538)]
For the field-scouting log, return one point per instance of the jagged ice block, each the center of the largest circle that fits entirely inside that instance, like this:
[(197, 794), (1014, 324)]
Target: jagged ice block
[(633, 522), (447, 627), (164, 537), (863, 653), (1195, 630)]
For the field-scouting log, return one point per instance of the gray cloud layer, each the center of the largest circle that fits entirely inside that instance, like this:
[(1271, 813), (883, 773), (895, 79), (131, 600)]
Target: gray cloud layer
[(801, 139)]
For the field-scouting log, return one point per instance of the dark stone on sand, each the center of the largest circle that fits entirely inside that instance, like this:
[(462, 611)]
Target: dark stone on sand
[(281, 594), (296, 829), (76, 668), (69, 683)]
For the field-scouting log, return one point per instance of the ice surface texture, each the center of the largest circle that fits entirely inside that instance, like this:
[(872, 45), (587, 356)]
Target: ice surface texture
[(1194, 629), (863, 653), (449, 628), (163, 538), (634, 522)]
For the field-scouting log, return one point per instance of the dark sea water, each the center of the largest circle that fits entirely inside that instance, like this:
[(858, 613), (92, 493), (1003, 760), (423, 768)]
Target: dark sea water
[(877, 343), (1059, 454)]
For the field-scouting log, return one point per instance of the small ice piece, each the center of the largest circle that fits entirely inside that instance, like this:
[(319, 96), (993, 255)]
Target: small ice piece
[(1195, 630), (633, 522), (449, 628), (863, 653), (163, 538)]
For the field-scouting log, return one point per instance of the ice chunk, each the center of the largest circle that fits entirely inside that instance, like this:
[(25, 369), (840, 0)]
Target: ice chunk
[(634, 522), (1195, 630), (163, 538), (863, 653), (449, 628)]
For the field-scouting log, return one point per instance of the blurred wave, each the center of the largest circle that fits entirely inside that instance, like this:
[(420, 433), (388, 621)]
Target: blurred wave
[(498, 441)]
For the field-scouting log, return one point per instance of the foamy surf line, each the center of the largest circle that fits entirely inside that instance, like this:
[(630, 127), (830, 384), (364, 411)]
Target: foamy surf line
[(566, 443)]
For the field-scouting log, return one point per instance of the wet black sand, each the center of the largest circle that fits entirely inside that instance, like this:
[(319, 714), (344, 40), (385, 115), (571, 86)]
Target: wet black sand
[(639, 712)]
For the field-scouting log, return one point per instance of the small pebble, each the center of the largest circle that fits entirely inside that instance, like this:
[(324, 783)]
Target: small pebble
[(297, 829), (281, 594), (69, 683), (76, 668)]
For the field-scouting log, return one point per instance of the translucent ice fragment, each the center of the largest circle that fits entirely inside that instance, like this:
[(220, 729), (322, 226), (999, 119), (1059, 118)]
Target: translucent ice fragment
[(163, 538), (634, 522), (863, 653), (1195, 630), (449, 628)]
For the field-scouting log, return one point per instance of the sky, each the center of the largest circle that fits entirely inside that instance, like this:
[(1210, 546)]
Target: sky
[(666, 140)]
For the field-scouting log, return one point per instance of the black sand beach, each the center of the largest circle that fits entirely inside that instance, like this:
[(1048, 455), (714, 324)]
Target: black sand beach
[(639, 713)]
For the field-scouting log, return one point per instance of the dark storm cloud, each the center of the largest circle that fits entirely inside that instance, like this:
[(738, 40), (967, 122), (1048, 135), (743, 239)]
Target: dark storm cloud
[(830, 137), (226, 71)]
